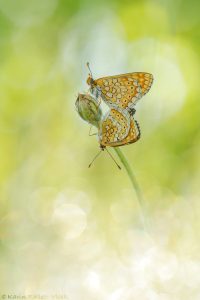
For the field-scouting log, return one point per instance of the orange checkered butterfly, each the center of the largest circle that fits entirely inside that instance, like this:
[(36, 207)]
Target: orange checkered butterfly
[(121, 91), (116, 128)]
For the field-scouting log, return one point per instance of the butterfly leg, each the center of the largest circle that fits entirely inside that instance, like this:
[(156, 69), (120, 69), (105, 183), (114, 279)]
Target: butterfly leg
[(92, 133), (96, 95), (98, 101)]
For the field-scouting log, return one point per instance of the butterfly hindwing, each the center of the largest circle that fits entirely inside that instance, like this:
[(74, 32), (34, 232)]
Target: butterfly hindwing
[(118, 130), (133, 135), (115, 126)]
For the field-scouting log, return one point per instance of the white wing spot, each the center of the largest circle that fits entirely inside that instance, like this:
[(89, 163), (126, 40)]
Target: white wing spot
[(138, 89), (131, 103), (105, 82), (124, 89), (109, 95)]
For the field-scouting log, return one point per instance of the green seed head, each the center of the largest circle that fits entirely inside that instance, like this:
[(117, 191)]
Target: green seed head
[(88, 109)]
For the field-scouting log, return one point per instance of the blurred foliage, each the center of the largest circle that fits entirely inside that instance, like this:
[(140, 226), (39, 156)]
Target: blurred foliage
[(64, 227)]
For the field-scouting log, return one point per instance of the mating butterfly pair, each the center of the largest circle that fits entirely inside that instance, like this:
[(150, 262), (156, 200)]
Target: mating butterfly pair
[(120, 93)]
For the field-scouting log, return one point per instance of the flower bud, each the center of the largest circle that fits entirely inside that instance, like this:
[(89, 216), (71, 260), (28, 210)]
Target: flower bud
[(88, 109)]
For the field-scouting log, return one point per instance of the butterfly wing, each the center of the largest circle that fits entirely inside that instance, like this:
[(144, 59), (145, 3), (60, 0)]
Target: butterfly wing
[(124, 90), (132, 137), (116, 131), (114, 127)]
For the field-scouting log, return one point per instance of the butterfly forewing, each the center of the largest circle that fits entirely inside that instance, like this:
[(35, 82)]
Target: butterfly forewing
[(124, 90)]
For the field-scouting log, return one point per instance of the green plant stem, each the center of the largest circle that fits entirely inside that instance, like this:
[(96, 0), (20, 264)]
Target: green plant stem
[(135, 185)]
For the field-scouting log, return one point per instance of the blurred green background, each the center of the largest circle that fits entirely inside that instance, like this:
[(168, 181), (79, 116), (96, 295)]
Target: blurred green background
[(71, 230)]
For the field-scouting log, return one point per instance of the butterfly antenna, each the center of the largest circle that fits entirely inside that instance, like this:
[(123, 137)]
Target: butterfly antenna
[(94, 158), (113, 159), (88, 65)]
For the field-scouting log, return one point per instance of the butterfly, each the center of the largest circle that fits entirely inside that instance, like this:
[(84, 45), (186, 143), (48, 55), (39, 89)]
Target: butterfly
[(118, 128), (121, 91)]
